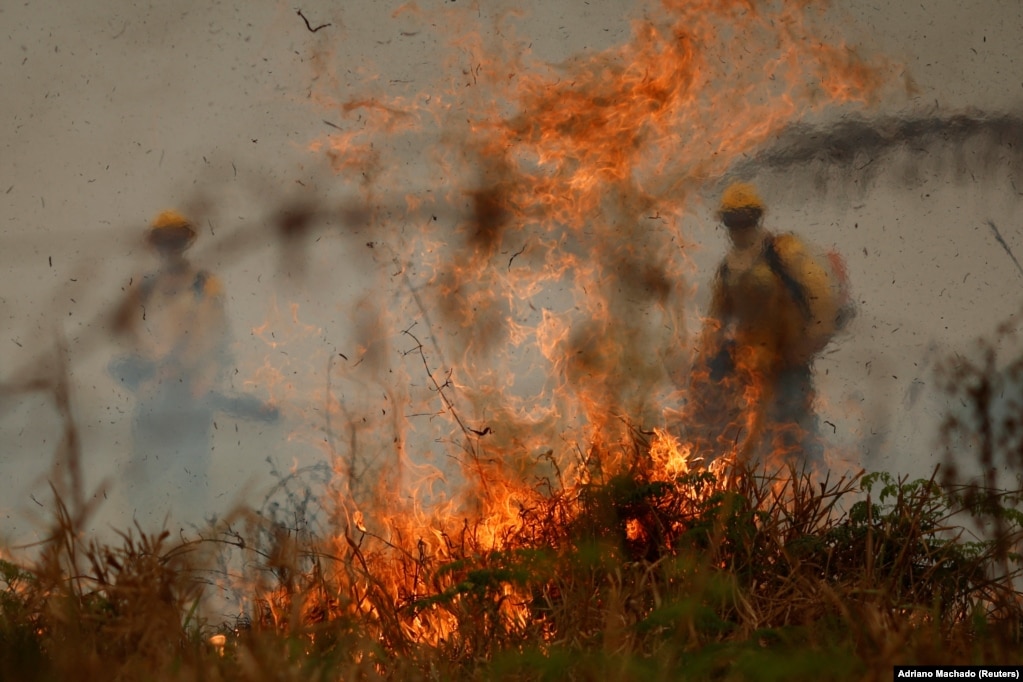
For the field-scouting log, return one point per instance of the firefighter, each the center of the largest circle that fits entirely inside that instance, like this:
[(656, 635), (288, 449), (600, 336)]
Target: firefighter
[(774, 307), (178, 330)]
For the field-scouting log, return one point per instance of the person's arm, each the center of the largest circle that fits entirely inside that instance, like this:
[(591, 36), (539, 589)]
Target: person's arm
[(714, 350), (131, 368)]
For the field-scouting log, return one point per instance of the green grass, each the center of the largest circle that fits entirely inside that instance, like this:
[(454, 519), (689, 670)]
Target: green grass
[(702, 577)]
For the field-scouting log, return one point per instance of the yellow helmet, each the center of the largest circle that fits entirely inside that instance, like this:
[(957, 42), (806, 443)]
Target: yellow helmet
[(741, 206), (741, 196), (171, 230)]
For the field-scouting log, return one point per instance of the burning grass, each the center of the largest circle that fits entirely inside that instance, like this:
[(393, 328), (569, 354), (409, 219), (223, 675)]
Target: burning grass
[(727, 573), (627, 560)]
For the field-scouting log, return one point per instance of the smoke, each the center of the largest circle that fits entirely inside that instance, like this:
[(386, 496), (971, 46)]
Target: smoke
[(854, 152), (451, 249)]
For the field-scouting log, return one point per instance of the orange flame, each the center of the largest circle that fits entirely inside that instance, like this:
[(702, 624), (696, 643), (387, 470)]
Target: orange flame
[(518, 331)]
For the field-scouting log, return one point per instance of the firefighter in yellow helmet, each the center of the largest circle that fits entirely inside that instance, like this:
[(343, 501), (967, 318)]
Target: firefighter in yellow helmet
[(184, 328), (178, 334), (774, 307)]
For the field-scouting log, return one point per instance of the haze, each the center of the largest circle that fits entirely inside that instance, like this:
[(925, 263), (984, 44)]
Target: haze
[(116, 111)]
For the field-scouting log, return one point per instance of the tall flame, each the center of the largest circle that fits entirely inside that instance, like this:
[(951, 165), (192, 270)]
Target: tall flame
[(528, 314)]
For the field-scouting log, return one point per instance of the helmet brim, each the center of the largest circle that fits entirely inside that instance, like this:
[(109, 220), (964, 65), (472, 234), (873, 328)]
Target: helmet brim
[(171, 237), (746, 216)]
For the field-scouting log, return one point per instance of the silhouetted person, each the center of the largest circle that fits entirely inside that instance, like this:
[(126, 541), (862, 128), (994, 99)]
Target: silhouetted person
[(179, 337), (774, 307)]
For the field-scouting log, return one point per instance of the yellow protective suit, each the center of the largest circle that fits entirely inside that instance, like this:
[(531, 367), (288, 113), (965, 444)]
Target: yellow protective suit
[(183, 330), (180, 355), (766, 324), (783, 310)]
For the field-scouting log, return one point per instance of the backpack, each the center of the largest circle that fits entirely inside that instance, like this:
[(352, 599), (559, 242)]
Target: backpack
[(817, 283)]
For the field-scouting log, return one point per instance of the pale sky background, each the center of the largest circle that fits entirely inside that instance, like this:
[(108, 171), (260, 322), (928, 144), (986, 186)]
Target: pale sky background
[(115, 110)]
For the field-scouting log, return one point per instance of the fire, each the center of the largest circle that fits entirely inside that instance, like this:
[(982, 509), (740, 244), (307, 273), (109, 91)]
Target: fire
[(530, 292), (670, 458)]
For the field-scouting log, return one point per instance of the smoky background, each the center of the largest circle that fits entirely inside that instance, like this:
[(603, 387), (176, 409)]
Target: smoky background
[(118, 112)]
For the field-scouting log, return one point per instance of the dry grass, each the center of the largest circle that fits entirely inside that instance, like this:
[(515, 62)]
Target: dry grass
[(742, 576), (630, 575)]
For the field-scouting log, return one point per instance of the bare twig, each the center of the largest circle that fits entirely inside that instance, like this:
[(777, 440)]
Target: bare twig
[(1001, 240), (469, 432), (308, 25)]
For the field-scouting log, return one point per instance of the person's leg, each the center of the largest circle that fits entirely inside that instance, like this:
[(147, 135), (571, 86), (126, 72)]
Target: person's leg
[(794, 419)]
